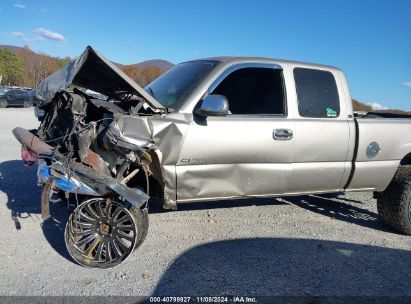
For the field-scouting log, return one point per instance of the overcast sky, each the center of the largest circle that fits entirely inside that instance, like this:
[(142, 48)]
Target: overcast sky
[(369, 40)]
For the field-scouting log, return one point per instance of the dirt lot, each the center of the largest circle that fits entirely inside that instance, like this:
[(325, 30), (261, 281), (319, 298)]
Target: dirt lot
[(313, 245)]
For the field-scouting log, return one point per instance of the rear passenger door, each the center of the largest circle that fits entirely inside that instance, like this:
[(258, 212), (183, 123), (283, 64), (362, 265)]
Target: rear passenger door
[(21, 97), (246, 153), (322, 132), (12, 97)]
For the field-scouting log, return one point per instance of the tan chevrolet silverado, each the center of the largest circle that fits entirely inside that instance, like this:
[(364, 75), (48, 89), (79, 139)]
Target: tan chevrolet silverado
[(208, 129)]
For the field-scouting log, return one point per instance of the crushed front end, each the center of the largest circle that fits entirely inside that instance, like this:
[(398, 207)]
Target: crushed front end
[(84, 160)]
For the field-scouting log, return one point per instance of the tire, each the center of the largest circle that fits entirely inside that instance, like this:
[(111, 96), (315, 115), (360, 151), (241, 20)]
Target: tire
[(27, 104), (143, 213), (3, 104), (96, 237), (394, 203)]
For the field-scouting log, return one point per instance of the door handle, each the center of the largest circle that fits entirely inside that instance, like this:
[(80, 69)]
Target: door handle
[(282, 134)]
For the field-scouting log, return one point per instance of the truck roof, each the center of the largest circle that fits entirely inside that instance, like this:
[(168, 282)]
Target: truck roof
[(241, 59)]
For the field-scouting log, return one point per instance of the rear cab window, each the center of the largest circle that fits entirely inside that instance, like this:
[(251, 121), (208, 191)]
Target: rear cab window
[(317, 93)]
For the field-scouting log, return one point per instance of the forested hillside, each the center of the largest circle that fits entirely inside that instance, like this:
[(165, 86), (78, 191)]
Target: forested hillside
[(20, 66)]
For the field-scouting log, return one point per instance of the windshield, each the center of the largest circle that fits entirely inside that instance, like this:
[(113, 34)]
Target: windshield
[(176, 85)]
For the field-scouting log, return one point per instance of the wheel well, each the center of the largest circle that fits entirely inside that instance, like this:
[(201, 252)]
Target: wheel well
[(147, 176), (156, 188), (406, 160)]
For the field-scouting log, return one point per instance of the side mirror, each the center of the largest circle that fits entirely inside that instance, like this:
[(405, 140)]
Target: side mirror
[(213, 105)]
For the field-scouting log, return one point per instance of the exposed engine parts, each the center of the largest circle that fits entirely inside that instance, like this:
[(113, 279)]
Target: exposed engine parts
[(98, 154)]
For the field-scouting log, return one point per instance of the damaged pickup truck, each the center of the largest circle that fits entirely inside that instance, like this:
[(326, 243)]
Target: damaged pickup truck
[(209, 129)]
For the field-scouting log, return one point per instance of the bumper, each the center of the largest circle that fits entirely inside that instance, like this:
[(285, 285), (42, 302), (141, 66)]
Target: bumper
[(76, 177), (63, 182)]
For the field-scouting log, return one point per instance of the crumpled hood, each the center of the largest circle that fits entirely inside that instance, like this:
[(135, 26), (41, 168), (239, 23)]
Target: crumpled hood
[(93, 71)]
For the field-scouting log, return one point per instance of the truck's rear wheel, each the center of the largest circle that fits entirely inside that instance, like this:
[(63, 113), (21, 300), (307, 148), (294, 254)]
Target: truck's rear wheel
[(394, 203), (102, 233)]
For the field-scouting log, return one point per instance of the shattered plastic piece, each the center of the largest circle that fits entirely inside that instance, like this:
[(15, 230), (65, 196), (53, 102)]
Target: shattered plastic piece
[(65, 184)]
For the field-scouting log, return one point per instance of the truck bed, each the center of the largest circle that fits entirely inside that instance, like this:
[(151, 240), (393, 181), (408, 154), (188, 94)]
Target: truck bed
[(392, 134)]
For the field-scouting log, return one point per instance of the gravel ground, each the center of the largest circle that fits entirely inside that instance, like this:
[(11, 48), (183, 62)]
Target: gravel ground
[(311, 245)]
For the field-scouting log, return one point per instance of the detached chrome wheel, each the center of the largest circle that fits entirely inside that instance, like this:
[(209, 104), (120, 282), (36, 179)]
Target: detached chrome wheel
[(102, 234)]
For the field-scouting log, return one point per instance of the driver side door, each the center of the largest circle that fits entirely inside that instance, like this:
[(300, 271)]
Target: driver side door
[(243, 154)]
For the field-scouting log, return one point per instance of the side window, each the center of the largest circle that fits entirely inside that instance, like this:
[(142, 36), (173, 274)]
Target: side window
[(254, 91), (317, 93)]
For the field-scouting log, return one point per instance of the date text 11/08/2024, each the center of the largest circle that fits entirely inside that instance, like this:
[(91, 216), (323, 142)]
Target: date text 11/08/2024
[(204, 299)]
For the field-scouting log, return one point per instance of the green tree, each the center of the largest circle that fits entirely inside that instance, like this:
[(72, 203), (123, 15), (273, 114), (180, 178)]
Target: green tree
[(11, 67), (1, 75)]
